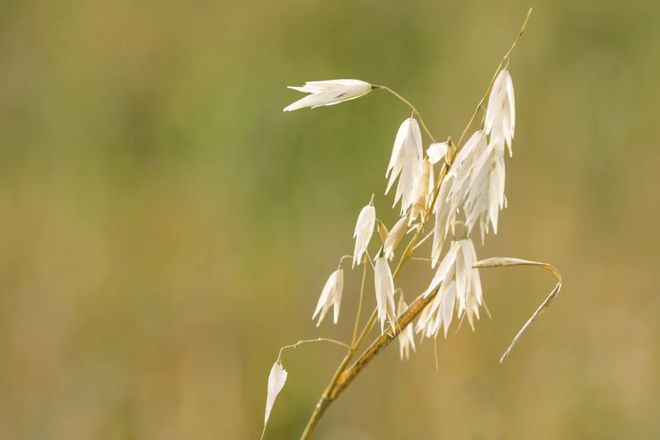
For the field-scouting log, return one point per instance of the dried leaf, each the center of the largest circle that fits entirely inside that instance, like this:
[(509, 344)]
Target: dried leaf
[(508, 261)]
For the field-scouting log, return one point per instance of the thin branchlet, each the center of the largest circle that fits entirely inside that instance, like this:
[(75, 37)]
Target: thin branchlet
[(310, 341), (412, 107)]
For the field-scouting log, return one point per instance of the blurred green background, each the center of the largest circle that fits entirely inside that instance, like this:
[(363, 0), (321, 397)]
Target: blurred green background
[(165, 227)]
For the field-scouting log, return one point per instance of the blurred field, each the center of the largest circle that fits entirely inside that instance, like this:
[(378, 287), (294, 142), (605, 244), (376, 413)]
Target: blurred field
[(165, 228)]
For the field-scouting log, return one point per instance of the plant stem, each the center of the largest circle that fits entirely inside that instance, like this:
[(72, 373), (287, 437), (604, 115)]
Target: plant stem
[(412, 107), (309, 341), (330, 393), (381, 342), (359, 309)]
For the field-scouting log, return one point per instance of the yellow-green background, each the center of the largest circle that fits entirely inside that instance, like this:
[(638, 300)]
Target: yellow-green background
[(165, 227)]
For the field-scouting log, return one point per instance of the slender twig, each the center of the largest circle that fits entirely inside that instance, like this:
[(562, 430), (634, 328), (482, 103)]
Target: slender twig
[(359, 309), (412, 107), (501, 262), (309, 341), (421, 242)]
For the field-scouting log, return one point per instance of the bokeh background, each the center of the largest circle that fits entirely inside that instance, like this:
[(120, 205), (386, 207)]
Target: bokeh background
[(165, 227)]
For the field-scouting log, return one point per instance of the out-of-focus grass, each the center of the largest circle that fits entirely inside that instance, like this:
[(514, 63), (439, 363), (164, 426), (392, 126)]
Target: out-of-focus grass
[(165, 228)]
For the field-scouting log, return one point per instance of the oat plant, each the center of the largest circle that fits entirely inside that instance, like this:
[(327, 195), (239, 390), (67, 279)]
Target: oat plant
[(448, 192)]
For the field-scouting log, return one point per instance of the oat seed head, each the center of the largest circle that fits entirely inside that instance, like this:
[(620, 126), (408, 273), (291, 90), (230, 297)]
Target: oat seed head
[(464, 193)]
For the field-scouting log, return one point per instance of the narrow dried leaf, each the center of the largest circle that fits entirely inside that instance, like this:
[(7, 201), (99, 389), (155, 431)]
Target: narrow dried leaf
[(508, 261)]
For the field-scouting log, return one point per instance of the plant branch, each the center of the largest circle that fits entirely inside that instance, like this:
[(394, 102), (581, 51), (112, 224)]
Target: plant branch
[(359, 309), (412, 107), (381, 342), (503, 61), (309, 341)]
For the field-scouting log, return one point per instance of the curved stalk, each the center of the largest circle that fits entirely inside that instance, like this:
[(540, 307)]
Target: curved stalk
[(412, 107)]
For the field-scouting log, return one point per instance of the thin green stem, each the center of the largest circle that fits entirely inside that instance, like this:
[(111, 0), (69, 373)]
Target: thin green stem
[(427, 260), (366, 329), (412, 107), (421, 242), (309, 341), (359, 309), (503, 61), (344, 257)]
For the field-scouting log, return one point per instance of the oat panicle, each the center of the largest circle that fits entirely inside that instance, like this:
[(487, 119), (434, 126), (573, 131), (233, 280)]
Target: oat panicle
[(457, 190)]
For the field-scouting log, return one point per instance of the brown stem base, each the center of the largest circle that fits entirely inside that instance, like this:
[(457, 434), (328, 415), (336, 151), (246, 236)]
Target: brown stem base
[(344, 376)]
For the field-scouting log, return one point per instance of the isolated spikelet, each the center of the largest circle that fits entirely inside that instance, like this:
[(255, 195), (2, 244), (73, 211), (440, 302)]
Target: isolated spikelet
[(364, 229), (322, 93), (384, 287), (407, 335), (394, 237), (500, 121), (276, 381), (330, 296), (405, 164)]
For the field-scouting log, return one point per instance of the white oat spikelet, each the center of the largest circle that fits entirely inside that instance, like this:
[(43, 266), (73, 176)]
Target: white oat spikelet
[(485, 197), (405, 163), (454, 190), (330, 296), (329, 92), (459, 289), (474, 186), (276, 381), (384, 287), (423, 191), (364, 229), (394, 237), (437, 152), (407, 335), (500, 118), (461, 170)]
